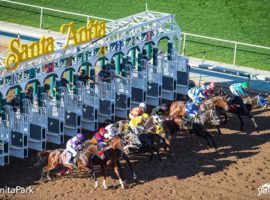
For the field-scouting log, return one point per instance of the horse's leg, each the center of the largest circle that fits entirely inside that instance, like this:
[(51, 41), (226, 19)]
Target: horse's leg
[(42, 175), (218, 129), (254, 122), (103, 169), (120, 168), (241, 122), (168, 145), (208, 135), (116, 171), (151, 154), (156, 150), (130, 166)]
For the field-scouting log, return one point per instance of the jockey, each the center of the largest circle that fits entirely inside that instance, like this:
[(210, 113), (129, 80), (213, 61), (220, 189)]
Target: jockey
[(101, 142), (239, 90), (159, 112), (261, 101), (137, 111), (209, 89), (196, 94), (73, 146), (137, 123), (192, 109)]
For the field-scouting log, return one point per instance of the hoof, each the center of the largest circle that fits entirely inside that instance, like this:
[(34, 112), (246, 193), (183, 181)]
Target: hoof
[(40, 181)]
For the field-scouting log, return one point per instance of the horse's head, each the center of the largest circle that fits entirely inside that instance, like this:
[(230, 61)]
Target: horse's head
[(131, 140), (220, 102)]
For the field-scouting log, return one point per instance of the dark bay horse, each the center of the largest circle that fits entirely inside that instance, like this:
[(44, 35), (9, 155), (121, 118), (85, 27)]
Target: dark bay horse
[(236, 107)]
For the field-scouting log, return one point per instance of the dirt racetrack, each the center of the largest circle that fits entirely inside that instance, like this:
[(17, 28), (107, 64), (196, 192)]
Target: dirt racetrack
[(235, 171)]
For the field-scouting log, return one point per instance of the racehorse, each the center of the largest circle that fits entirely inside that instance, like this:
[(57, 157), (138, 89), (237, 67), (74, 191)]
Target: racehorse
[(59, 157), (84, 159), (158, 126), (236, 108), (217, 105), (211, 112), (147, 139), (112, 155)]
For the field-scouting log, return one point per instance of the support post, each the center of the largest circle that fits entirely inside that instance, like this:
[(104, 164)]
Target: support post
[(184, 44), (41, 18), (234, 55), (155, 56)]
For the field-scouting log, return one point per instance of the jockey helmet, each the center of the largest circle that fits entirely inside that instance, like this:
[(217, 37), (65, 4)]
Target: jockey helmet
[(80, 136), (164, 107), (145, 115), (245, 85), (102, 131), (203, 87), (142, 105)]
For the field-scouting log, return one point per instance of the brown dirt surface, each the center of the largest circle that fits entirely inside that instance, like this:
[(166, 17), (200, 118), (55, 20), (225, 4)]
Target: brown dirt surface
[(235, 171)]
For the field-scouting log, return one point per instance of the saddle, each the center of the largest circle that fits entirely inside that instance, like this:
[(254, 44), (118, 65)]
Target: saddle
[(65, 157)]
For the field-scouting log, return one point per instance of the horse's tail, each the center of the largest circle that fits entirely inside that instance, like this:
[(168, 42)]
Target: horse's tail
[(41, 156)]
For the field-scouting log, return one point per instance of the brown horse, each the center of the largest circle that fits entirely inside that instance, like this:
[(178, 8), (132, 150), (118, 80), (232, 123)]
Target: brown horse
[(214, 102), (59, 157), (112, 155), (177, 111), (85, 160)]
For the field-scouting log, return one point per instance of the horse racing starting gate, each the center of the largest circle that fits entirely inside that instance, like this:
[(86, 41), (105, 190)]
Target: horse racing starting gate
[(147, 76)]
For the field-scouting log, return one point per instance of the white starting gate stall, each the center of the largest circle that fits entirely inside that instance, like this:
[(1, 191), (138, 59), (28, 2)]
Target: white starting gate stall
[(90, 106), (73, 111), (56, 118), (106, 92), (18, 146), (123, 96), (5, 132), (169, 77), (154, 84), (38, 125), (182, 75), (138, 87)]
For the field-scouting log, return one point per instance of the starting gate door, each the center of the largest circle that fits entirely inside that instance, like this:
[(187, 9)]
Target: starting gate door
[(182, 75), (138, 87), (106, 101), (56, 118), (123, 96), (154, 82), (19, 122), (38, 125), (169, 77), (4, 142), (90, 106), (73, 112)]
